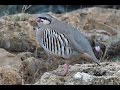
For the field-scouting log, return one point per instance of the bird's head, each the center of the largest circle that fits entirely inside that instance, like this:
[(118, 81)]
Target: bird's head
[(44, 19)]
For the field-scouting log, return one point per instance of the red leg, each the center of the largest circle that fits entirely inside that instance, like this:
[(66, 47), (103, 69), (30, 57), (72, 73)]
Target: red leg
[(66, 67)]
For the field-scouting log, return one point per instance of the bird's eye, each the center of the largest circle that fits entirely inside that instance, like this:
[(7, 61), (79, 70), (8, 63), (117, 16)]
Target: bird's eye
[(39, 19), (42, 20)]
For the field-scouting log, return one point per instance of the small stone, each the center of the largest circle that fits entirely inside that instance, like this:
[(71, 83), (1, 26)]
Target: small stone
[(83, 76)]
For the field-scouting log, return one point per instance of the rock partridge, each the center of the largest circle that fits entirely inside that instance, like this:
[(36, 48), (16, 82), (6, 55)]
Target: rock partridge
[(62, 40)]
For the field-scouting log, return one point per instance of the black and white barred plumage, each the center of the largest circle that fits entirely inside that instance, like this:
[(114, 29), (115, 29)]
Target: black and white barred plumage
[(56, 43)]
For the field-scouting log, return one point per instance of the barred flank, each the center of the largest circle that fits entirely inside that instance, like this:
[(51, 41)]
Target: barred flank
[(56, 43)]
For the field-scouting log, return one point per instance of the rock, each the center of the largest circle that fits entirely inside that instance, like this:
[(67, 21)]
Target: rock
[(50, 79), (16, 33), (117, 73), (10, 59), (25, 55), (84, 74), (9, 68), (85, 77), (32, 69), (9, 76)]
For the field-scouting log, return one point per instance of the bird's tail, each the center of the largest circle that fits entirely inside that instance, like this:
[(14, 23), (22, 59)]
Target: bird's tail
[(96, 61), (93, 58)]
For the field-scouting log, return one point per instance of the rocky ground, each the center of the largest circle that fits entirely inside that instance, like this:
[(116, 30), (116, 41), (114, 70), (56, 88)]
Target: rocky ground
[(21, 64)]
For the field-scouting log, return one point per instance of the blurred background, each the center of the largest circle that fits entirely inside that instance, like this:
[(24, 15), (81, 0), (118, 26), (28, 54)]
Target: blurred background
[(13, 9)]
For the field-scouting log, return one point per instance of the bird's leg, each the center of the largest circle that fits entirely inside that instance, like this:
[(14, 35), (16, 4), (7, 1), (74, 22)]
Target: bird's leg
[(36, 50), (65, 71), (66, 67)]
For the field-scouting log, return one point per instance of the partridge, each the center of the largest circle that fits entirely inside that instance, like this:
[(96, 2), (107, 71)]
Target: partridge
[(62, 40)]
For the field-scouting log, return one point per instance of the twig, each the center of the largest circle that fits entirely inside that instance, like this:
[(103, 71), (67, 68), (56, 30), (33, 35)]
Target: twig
[(25, 7), (106, 49)]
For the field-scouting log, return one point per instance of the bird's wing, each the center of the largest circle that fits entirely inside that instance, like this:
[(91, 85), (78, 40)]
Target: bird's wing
[(75, 44), (68, 34), (55, 42)]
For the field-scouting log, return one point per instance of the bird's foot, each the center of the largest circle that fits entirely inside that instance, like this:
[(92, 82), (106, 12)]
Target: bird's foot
[(64, 73)]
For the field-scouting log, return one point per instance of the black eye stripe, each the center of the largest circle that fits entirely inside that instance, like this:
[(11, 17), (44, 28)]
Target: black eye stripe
[(43, 18)]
